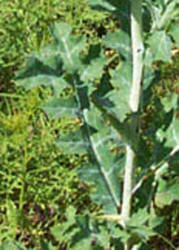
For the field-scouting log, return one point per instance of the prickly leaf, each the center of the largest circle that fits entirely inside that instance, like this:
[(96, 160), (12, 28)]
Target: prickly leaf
[(68, 46), (120, 41), (174, 32), (116, 101), (166, 194), (58, 107), (160, 45)]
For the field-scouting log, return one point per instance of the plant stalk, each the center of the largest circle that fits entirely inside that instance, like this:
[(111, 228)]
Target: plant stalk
[(137, 53)]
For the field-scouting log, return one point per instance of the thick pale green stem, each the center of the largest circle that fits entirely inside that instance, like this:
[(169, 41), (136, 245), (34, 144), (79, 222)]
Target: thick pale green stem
[(126, 205), (137, 51)]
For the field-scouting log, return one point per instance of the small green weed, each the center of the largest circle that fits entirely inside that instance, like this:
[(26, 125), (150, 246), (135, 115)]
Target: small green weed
[(37, 180), (25, 27)]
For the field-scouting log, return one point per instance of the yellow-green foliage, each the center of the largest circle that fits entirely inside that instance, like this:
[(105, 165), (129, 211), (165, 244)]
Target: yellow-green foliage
[(34, 174), (37, 180), (24, 26)]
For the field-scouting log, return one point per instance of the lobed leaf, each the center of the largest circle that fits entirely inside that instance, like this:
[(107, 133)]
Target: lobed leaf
[(174, 32), (120, 41), (172, 136), (58, 108), (57, 83), (121, 9), (102, 170), (116, 101), (104, 165), (160, 45), (94, 70), (167, 195), (68, 46), (73, 143)]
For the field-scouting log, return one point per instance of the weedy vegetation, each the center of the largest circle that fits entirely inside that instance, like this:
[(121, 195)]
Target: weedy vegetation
[(37, 181), (116, 92)]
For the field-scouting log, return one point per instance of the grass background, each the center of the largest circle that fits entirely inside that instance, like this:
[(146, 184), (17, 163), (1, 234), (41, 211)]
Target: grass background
[(38, 182)]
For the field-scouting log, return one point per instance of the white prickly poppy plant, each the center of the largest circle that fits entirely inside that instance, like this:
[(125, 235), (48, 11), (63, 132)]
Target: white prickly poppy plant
[(109, 102)]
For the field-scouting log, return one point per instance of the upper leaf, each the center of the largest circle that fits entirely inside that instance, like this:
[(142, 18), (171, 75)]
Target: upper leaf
[(68, 46), (162, 12), (121, 9), (166, 194), (174, 32), (171, 135), (49, 57), (102, 3), (170, 102), (104, 166), (116, 101), (148, 73), (94, 70), (160, 45), (42, 69), (120, 41)]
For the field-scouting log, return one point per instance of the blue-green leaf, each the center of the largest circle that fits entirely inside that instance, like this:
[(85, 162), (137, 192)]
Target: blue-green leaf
[(170, 102), (116, 102), (102, 3), (161, 46), (167, 194), (57, 83), (171, 135), (94, 70), (68, 46), (120, 41), (174, 32), (58, 108), (149, 72), (49, 57), (121, 9), (73, 143), (103, 168)]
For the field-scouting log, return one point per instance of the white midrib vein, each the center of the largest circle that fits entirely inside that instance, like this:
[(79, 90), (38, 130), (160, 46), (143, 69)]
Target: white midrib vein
[(62, 110), (98, 158), (68, 54)]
